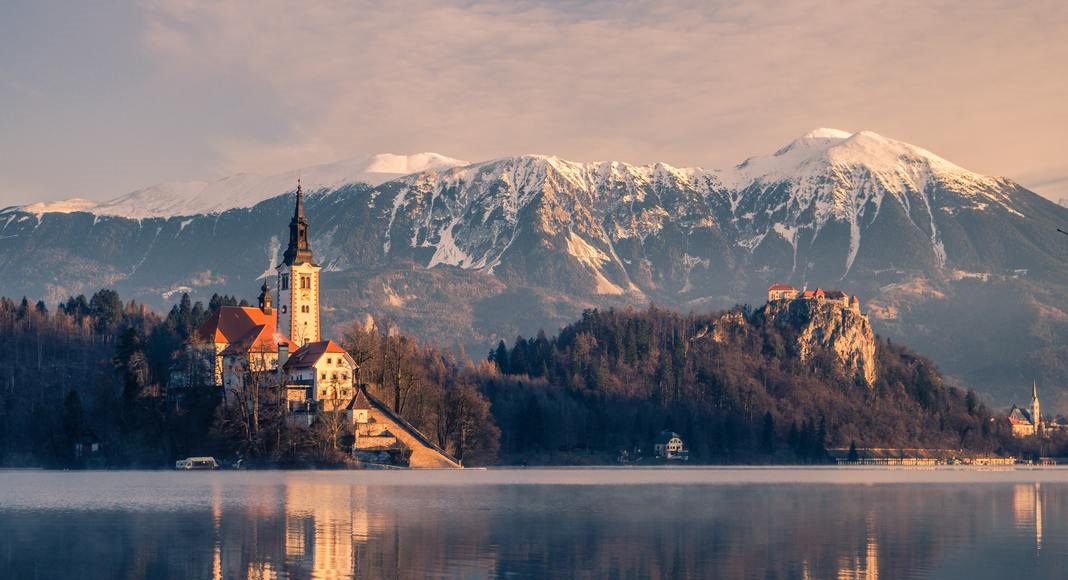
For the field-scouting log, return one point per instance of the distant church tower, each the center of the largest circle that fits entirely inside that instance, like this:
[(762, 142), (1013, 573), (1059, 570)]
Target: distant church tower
[(298, 282), (1036, 414)]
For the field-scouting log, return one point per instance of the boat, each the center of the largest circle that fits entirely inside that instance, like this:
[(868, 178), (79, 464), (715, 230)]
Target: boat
[(196, 463)]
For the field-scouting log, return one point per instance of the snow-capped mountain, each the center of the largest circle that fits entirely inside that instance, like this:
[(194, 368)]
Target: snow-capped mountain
[(967, 267), (186, 198)]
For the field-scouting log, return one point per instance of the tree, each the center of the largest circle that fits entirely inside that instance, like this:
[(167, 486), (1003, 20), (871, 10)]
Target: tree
[(255, 410), (853, 455), (73, 427), (467, 429), (767, 435)]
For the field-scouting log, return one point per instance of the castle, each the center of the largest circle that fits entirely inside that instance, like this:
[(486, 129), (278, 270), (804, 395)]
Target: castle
[(280, 346), (787, 292)]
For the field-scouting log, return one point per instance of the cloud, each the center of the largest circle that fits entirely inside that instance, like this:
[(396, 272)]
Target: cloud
[(699, 83)]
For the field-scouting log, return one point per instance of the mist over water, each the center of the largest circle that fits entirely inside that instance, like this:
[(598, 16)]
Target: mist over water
[(586, 523)]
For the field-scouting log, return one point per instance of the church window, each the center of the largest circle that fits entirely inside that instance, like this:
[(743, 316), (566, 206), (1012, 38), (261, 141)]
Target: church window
[(284, 309), (285, 282), (305, 308), (323, 377), (333, 376), (305, 282), (329, 360)]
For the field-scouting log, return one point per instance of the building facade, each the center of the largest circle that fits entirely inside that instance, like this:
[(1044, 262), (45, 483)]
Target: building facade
[(322, 373)]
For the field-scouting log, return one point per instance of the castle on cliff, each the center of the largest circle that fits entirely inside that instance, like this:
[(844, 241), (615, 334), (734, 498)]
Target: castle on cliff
[(279, 345), (838, 297)]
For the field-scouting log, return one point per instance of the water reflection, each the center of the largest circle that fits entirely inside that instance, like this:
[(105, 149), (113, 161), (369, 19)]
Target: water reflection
[(286, 526), (1027, 509)]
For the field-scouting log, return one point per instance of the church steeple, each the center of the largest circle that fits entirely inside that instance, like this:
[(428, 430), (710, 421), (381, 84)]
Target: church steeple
[(298, 282), (1036, 410), (265, 297), (299, 250)]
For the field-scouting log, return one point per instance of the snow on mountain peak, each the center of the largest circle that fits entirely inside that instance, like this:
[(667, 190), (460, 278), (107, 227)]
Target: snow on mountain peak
[(822, 151), (825, 133), (247, 189)]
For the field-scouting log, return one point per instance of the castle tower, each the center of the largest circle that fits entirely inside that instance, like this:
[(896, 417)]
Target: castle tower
[(298, 282), (1036, 414)]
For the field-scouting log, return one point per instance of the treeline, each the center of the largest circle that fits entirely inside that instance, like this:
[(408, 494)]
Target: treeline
[(101, 370), (94, 370), (105, 383), (614, 379)]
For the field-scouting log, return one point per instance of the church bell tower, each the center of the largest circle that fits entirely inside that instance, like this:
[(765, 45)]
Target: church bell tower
[(1036, 410), (298, 282)]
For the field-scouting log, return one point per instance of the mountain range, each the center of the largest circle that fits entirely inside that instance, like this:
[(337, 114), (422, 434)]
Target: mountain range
[(968, 269)]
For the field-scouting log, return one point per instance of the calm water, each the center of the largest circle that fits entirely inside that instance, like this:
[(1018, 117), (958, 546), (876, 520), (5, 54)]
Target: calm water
[(602, 523)]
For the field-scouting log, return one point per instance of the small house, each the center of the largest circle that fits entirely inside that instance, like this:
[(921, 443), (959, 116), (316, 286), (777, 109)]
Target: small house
[(669, 445)]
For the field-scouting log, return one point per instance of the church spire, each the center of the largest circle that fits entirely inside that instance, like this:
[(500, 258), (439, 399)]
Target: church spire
[(299, 251), (265, 297)]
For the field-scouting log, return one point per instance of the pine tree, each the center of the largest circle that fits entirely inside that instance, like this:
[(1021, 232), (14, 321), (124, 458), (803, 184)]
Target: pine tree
[(767, 436)]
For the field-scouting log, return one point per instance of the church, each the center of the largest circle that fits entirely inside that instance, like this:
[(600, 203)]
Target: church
[(1027, 422), (279, 345)]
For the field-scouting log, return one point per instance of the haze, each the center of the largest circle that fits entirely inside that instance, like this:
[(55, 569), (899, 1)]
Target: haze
[(103, 98)]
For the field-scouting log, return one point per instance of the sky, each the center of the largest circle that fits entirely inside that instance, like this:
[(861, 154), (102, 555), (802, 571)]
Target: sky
[(100, 98)]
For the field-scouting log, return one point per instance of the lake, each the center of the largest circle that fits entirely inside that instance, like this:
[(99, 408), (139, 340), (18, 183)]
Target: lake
[(760, 523)]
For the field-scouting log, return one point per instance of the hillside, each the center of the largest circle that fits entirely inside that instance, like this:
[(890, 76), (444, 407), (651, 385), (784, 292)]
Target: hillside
[(774, 384), (967, 268)]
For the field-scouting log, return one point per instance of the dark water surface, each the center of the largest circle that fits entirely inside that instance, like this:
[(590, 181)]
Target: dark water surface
[(601, 523)]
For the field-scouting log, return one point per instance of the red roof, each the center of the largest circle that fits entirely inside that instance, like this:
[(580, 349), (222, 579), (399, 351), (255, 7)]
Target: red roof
[(244, 328), (309, 354), (808, 294), (230, 323), (819, 292), (775, 287)]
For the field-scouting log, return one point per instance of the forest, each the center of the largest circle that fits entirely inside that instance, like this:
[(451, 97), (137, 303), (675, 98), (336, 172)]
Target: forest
[(99, 370), (615, 378)]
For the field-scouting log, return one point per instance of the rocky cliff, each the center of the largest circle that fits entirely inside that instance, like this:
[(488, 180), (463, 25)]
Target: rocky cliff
[(819, 326)]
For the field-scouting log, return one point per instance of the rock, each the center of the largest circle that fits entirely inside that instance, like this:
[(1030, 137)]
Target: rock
[(821, 325)]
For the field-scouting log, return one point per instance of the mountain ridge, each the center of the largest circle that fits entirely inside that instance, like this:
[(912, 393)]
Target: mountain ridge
[(471, 253)]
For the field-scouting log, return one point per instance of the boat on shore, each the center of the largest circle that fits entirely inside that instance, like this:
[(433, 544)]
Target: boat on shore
[(198, 463)]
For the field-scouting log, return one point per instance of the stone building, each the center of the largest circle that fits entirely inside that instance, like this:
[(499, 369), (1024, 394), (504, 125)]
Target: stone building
[(382, 436), (298, 282), (781, 292), (241, 339), (837, 297), (1027, 422), (320, 372)]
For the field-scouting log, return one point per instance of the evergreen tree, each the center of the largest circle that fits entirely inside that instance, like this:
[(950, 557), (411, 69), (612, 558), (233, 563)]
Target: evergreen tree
[(767, 435)]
